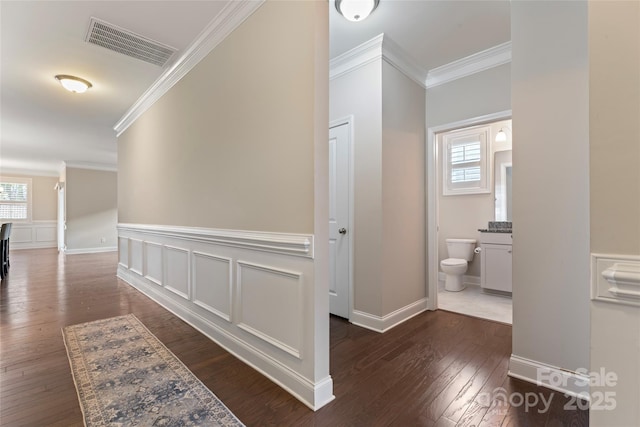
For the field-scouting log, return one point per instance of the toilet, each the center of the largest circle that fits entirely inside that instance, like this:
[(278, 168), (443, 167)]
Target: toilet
[(460, 253)]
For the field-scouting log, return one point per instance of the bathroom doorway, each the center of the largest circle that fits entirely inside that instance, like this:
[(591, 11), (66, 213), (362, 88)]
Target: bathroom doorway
[(469, 170)]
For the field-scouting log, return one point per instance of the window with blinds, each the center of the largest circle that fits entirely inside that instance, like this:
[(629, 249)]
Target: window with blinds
[(15, 199), (465, 163)]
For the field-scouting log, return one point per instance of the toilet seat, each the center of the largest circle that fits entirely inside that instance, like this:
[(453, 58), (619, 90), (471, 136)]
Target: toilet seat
[(453, 262)]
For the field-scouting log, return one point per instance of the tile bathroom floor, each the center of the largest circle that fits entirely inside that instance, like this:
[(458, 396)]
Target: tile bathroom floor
[(474, 302)]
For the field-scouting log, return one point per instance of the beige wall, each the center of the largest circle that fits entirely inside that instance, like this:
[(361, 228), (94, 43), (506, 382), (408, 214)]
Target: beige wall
[(550, 97), (460, 216), (45, 198), (91, 205), (614, 92), (403, 190), (230, 146)]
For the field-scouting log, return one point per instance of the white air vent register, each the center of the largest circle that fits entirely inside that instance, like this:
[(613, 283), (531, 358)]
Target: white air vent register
[(128, 43)]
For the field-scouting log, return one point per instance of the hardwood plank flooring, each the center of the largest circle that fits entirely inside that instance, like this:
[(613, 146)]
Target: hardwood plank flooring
[(437, 369)]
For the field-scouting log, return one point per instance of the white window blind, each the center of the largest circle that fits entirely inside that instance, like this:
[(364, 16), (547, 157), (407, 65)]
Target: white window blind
[(15, 199), (465, 163)]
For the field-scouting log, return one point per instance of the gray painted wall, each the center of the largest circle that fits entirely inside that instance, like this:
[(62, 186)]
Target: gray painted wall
[(550, 106), (389, 195)]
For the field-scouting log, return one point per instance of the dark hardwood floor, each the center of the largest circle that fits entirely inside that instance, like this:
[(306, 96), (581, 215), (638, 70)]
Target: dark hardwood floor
[(439, 368)]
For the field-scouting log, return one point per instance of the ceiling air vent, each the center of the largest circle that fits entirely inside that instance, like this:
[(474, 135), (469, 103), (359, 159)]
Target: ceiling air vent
[(128, 43)]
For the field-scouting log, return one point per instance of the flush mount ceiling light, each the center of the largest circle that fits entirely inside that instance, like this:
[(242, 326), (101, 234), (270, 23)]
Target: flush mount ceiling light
[(73, 84), (356, 10)]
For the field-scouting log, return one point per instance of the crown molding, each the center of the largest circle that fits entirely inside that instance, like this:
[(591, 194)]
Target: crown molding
[(233, 14), (398, 58), (27, 172), (480, 61), (379, 47), (357, 57), (90, 165)]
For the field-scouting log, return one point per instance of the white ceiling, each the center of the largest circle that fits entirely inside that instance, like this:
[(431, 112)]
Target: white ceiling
[(42, 125)]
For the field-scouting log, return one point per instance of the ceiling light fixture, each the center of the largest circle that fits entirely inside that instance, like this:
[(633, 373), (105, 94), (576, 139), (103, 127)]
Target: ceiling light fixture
[(356, 10), (73, 84)]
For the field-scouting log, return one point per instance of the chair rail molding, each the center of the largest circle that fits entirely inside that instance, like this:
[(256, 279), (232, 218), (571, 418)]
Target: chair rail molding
[(615, 279), (282, 243)]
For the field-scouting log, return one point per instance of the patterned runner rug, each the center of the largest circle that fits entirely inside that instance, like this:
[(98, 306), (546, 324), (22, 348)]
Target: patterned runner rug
[(126, 377)]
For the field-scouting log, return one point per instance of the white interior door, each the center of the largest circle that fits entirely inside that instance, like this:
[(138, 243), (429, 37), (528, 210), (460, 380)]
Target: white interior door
[(339, 233)]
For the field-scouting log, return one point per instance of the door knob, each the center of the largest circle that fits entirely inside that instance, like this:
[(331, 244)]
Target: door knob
[(342, 231)]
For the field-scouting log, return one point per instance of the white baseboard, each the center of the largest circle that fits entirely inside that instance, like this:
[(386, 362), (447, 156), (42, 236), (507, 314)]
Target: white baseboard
[(90, 250), (313, 395), (552, 377), (32, 245), (388, 321), (467, 280)]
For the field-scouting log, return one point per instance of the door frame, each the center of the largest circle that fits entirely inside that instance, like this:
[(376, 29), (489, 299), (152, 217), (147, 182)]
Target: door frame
[(62, 214), (433, 187), (349, 121)]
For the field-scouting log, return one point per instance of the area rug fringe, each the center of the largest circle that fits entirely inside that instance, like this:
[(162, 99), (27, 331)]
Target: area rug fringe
[(124, 376)]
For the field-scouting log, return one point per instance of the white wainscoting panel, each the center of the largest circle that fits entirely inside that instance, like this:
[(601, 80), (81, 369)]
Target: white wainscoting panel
[(177, 270), (33, 235), (45, 234), (212, 284), (21, 234), (251, 292), (136, 256), (153, 263), (123, 251), (282, 291)]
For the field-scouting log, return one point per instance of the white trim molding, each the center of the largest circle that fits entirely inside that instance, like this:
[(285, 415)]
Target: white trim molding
[(233, 14), (249, 292), (280, 243), (480, 61), (615, 279), (90, 250), (379, 47), (384, 323), (90, 165), (552, 377)]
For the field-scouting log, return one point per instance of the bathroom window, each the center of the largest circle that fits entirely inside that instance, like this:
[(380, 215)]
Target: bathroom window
[(15, 199), (465, 161)]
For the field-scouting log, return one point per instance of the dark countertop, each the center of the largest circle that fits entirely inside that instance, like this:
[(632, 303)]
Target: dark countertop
[(497, 230)]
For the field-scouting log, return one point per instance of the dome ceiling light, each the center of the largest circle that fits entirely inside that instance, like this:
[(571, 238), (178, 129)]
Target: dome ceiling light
[(356, 10), (73, 84)]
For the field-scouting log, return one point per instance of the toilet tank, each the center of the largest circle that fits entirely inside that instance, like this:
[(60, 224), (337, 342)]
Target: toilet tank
[(461, 248)]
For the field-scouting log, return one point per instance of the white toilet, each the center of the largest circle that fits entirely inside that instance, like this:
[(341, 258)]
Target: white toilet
[(460, 253)]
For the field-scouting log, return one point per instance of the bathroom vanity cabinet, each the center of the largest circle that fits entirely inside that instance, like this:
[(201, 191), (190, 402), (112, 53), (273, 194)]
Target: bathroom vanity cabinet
[(496, 261)]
